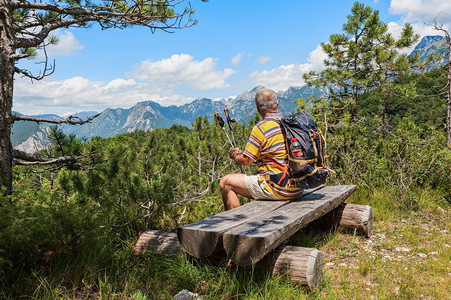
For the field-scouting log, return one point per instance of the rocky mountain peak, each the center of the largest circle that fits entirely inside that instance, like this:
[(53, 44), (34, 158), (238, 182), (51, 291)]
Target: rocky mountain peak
[(436, 45), (428, 42)]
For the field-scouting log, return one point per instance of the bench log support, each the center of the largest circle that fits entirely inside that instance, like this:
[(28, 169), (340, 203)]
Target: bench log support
[(350, 218), (302, 266)]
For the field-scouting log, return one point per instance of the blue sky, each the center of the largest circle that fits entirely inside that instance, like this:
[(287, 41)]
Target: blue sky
[(235, 46)]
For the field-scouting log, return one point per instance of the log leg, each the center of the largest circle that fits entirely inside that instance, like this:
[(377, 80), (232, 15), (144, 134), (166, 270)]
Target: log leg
[(159, 241), (303, 266), (350, 217)]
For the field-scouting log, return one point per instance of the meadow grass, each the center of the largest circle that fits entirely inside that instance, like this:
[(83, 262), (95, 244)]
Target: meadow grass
[(407, 257)]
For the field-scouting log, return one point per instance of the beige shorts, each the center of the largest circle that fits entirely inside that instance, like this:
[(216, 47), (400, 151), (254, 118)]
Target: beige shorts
[(257, 188)]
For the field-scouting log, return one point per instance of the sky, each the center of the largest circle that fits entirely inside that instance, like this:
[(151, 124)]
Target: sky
[(235, 46)]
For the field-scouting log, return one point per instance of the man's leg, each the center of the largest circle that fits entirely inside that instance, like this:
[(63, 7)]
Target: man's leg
[(231, 185)]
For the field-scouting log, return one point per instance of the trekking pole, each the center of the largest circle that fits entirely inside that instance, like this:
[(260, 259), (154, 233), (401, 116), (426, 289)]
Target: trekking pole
[(230, 121), (222, 124)]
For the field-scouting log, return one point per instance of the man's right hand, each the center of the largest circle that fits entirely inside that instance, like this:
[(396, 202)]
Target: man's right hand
[(233, 152)]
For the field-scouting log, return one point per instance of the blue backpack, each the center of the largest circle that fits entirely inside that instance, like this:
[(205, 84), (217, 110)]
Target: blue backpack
[(307, 166)]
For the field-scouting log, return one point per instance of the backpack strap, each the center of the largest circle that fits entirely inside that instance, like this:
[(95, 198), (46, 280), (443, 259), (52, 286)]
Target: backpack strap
[(280, 178), (302, 161)]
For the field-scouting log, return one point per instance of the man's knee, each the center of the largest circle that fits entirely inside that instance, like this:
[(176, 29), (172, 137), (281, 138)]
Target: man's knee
[(224, 183)]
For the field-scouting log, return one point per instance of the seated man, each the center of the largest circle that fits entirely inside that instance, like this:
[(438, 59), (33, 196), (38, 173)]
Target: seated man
[(266, 147)]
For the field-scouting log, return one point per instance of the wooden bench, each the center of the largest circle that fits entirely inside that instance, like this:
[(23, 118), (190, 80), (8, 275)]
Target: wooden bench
[(251, 231)]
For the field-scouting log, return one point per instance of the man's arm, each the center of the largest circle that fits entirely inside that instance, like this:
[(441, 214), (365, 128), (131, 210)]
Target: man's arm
[(238, 156)]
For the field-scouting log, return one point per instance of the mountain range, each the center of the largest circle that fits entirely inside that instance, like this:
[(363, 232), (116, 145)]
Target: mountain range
[(148, 115)]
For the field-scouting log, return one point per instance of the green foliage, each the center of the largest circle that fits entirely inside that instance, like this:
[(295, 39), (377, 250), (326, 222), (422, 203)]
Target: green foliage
[(419, 97), (402, 162), (123, 185), (363, 57)]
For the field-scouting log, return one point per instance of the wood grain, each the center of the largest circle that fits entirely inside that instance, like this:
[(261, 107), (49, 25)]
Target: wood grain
[(202, 238), (249, 242)]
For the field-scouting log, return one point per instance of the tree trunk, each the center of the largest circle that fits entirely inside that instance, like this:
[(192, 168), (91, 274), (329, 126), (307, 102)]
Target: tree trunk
[(355, 89), (448, 119), (354, 103), (6, 94)]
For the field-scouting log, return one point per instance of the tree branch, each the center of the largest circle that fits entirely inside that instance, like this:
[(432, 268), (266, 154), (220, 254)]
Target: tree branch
[(45, 31), (107, 17), (31, 159), (72, 120)]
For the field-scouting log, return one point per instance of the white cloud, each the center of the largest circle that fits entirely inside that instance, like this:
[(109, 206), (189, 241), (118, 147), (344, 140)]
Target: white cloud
[(236, 60), (420, 14), (263, 59), (282, 77), (67, 44), (422, 10), (159, 81), (79, 94), (181, 69), (316, 58)]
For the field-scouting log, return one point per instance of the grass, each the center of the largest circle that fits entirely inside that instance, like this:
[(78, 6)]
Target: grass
[(407, 257)]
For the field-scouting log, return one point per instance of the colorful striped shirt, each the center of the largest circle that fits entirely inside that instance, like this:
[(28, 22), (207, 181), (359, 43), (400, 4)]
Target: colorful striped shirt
[(266, 140)]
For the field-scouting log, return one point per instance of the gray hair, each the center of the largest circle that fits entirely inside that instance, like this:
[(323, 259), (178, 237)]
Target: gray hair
[(266, 100)]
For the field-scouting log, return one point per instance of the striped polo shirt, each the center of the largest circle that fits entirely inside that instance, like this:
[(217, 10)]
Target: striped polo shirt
[(266, 140)]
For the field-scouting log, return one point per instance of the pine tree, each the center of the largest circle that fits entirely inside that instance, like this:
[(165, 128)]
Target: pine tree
[(361, 58)]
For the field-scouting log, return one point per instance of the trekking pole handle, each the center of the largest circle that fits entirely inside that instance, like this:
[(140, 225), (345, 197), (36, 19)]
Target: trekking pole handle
[(220, 120), (222, 124), (230, 121)]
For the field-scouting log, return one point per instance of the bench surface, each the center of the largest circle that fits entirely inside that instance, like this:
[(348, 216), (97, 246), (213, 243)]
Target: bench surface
[(251, 231), (202, 238), (251, 241)]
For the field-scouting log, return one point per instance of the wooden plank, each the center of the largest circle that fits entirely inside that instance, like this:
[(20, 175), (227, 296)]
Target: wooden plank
[(251, 241), (302, 266), (202, 238)]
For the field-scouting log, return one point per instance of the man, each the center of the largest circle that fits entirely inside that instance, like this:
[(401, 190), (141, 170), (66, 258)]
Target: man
[(266, 147)]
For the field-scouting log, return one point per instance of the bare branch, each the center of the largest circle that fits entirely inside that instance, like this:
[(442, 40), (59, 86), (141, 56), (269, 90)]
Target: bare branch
[(46, 70), (440, 28), (72, 120), (31, 159)]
